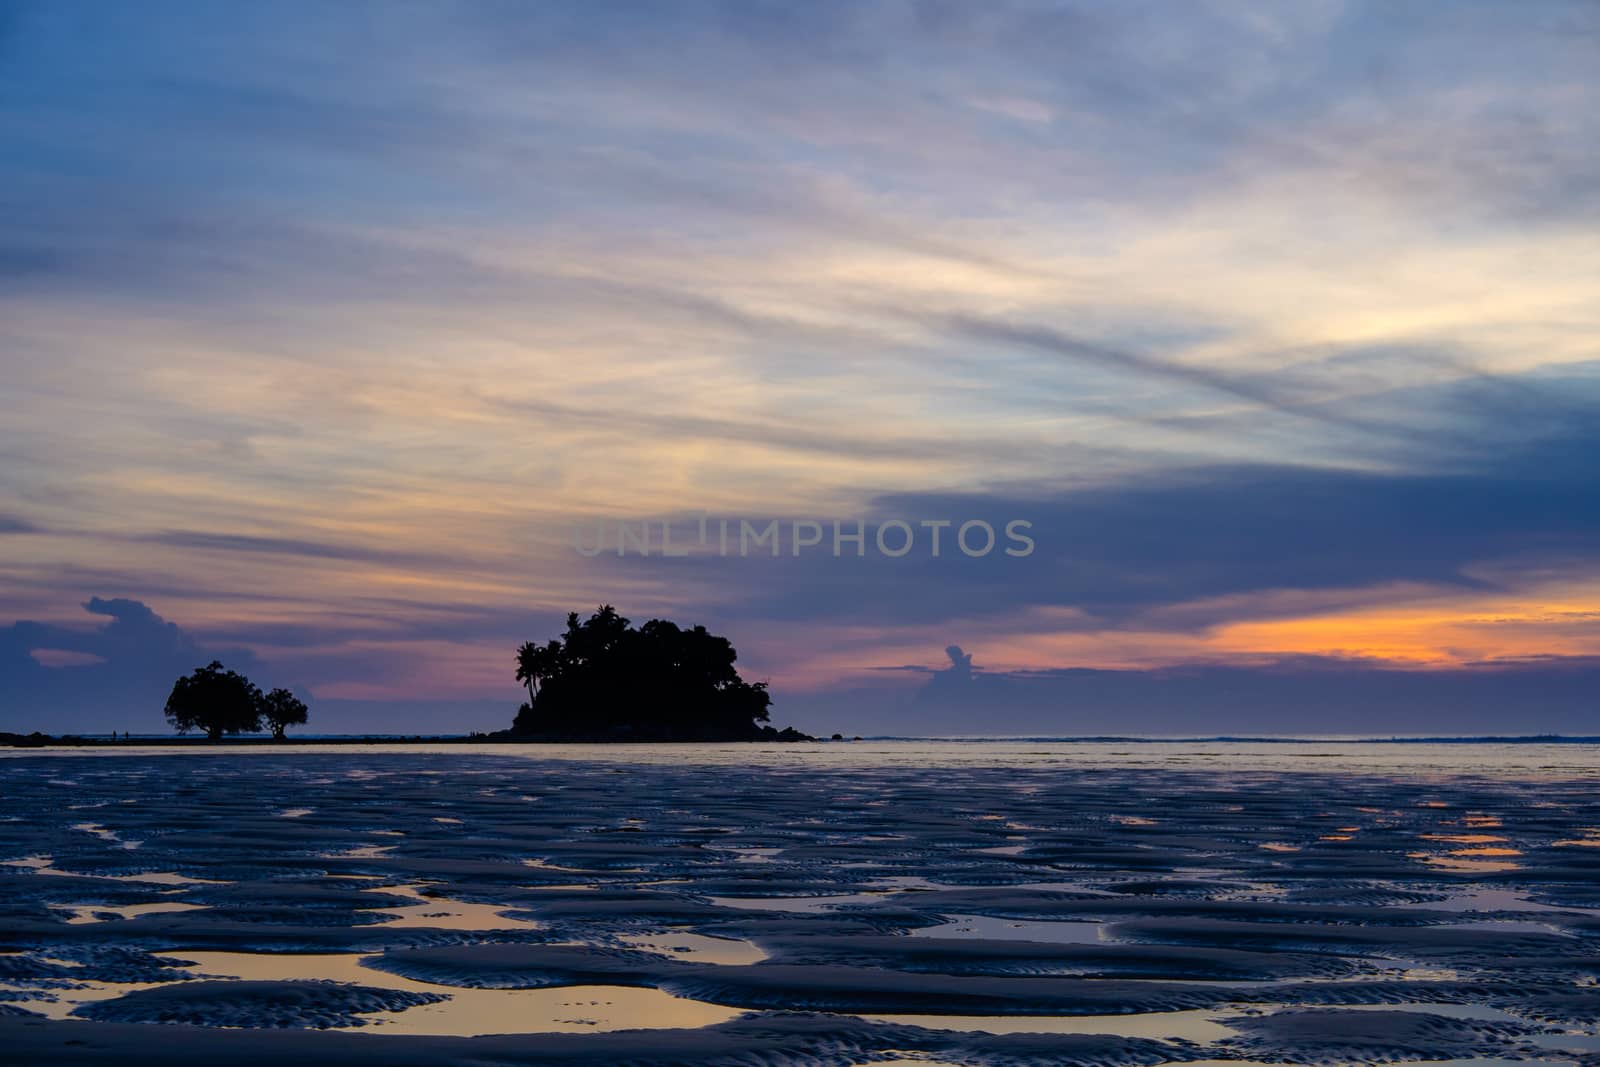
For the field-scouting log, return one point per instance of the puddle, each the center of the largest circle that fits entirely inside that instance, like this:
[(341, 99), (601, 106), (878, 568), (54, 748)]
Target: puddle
[(442, 913), (897, 829), (67, 999), (546, 866), (1196, 1026), (1460, 862), (805, 904), (697, 948), (1511, 926), (470, 1012), (365, 852), (1463, 839), (103, 834), (1480, 899), (1470, 1012), (1476, 1061), (986, 927), (166, 878), (746, 853), (46, 865), (93, 913)]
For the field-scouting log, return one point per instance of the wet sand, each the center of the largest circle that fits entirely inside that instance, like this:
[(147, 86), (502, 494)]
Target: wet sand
[(993, 906)]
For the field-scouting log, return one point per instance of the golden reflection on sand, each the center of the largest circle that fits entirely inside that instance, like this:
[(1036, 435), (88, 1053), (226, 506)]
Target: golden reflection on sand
[(92, 913), (442, 913), (1462, 839), (469, 1012), (1455, 862)]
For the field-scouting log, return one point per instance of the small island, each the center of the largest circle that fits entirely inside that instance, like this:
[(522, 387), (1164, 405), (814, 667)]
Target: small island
[(603, 680), (607, 680)]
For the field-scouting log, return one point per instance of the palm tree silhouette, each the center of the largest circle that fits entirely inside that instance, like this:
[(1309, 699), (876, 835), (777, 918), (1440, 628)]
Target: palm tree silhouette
[(535, 663), (530, 668)]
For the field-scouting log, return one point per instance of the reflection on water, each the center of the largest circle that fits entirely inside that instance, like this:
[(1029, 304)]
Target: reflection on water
[(802, 904), (1462, 860), (172, 878), (365, 852), (1196, 1026), (697, 948), (470, 1012), (1219, 840), (94, 913), (105, 835), (983, 926), (1462, 839), (442, 913), (1478, 898), (1512, 926), (60, 1002)]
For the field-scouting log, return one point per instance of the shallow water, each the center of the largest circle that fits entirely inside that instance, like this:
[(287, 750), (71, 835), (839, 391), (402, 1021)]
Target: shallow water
[(1263, 901), (1197, 1026), (1066, 933), (586, 1008), (1521, 759)]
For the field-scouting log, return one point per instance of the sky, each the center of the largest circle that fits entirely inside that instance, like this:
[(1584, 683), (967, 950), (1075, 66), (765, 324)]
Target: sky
[(329, 334)]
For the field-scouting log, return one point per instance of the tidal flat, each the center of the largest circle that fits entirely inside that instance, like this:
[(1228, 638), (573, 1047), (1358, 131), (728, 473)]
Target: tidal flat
[(998, 904)]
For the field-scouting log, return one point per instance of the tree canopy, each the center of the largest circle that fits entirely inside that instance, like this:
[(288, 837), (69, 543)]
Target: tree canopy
[(281, 708), (605, 679), (220, 701), (216, 700)]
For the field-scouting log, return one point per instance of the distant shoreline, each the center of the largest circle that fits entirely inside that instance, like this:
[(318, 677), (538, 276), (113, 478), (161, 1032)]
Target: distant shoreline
[(38, 740)]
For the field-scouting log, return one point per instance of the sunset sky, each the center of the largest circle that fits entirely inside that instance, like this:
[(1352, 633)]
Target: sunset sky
[(323, 325)]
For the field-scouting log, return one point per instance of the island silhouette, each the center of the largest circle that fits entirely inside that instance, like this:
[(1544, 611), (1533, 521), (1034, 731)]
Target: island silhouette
[(606, 680), (603, 680)]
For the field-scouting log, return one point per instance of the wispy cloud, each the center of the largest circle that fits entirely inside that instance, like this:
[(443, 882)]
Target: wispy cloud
[(305, 311)]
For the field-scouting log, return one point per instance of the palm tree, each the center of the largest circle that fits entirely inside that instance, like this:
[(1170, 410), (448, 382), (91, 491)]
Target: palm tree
[(531, 666)]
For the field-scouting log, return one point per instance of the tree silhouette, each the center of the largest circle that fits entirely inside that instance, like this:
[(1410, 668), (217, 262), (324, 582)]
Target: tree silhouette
[(605, 679), (535, 663), (215, 700), (281, 708)]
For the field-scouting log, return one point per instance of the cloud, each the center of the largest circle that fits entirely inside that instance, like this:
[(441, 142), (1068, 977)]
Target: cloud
[(1304, 696), (1253, 312), (1307, 696), (115, 676), (290, 546), (1120, 552)]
